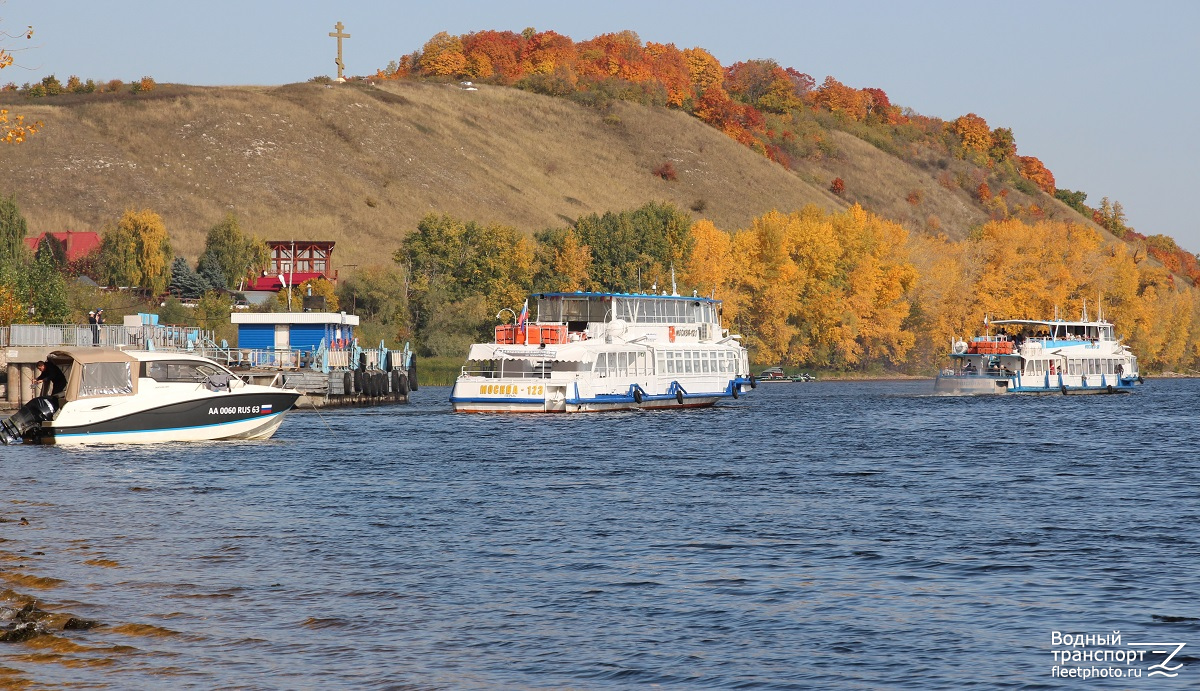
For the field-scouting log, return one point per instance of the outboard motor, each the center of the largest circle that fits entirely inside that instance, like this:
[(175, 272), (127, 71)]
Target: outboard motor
[(29, 416)]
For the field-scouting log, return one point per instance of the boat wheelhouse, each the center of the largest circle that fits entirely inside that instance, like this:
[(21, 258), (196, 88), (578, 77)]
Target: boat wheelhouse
[(587, 352), (1031, 356)]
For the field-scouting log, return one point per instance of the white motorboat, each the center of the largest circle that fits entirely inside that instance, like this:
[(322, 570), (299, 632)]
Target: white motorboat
[(1031, 356), (126, 396), (588, 352)]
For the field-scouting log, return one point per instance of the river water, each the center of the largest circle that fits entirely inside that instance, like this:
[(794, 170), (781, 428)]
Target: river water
[(818, 535)]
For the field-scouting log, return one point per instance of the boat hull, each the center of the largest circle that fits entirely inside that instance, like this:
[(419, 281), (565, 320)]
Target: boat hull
[(975, 385), (552, 397), (255, 415)]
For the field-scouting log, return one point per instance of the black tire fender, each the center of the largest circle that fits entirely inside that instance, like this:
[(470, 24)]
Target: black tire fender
[(679, 396), (637, 396)]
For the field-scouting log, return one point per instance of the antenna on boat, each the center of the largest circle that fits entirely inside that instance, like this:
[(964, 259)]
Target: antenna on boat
[(674, 290), (1084, 310)]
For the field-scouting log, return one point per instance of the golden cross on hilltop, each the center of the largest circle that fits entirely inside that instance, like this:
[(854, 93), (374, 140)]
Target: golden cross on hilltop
[(339, 36)]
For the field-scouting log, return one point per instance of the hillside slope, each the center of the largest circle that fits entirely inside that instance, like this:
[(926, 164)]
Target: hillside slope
[(361, 164)]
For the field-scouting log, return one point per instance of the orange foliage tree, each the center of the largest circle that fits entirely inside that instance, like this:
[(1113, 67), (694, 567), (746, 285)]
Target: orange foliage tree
[(546, 51), (493, 56), (836, 97), (973, 133), (1033, 170)]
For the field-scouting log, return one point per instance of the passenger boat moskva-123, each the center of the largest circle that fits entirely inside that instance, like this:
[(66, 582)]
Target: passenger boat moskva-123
[(1030, 356), (126, 396), (588, 352)]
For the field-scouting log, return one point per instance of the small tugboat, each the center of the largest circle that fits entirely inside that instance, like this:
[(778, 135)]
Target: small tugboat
[(1031, 356), (114, 396), (588, 352)]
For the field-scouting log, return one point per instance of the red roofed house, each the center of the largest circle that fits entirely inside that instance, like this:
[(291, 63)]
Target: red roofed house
[(292, 263), (77, 244)]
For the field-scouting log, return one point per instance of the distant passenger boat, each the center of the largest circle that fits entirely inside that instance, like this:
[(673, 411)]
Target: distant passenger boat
[(588, 352), (1069, 357), (775, 374)]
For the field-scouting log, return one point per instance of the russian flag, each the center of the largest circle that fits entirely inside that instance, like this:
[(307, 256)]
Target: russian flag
[(524, 315), (266, 408)]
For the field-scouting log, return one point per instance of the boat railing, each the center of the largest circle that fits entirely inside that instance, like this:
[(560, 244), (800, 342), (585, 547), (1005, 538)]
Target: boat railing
[(496, 374)]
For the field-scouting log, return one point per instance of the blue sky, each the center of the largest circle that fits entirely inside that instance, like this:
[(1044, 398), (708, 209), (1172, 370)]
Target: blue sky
[(1105, 93)]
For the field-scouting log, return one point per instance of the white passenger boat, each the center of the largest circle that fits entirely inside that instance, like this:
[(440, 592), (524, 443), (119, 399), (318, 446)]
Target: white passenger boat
[(1029, 356), (125, 396), (588, 352)]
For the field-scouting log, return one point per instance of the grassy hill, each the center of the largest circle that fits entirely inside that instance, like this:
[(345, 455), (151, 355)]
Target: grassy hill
[(360, 164)]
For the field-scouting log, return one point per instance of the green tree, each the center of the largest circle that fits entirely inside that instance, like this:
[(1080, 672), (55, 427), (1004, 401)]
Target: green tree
[(1074, 200), (633, 249), (448, 261), (47, 289), (186, 283), (379, 294), (12, 233), (234, 253), (53, 249)]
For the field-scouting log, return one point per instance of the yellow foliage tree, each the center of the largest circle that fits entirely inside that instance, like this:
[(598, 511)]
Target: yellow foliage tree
[(13, 128), (313, 286), (137, 252), (443, 56), (707, 268), (572, 261), (704, 70)]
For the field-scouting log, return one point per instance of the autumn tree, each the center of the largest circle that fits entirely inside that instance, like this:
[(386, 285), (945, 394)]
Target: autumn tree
[(669, 67), (838, 98), (704, 71), (1004, 145), (311, 287), (493, 56), (13, 128), (1033, 170), (562, 261), (973, 133), (442, 56), (136, 251), (708, 267)]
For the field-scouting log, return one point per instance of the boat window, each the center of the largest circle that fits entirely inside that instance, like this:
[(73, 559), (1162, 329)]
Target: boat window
[(662, 362), (179, 370), (623, 363), (106, 379), (1074, 367), (641, 363)]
